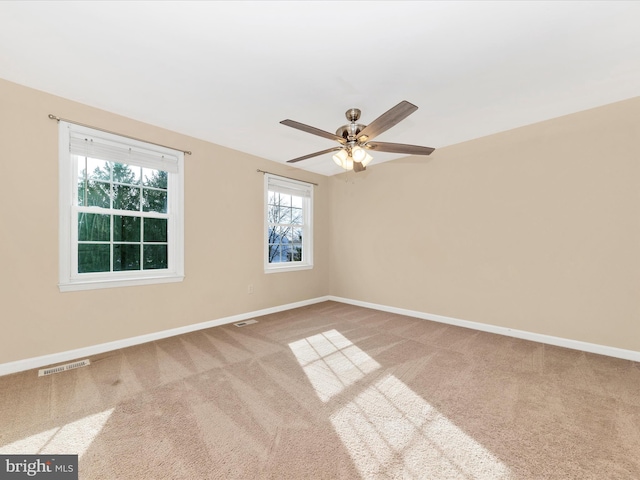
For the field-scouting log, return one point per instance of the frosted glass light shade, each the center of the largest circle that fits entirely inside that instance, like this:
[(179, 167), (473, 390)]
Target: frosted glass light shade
[(366, 160), (340, 158)]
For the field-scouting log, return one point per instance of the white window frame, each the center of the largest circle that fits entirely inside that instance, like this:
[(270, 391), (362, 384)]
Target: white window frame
[(153, 156), (299, 188)]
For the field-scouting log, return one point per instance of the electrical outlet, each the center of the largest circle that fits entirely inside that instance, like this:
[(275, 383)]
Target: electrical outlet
[(250, 289)]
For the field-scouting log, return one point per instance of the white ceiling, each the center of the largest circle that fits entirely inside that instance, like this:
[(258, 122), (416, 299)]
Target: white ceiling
[(229, 72)]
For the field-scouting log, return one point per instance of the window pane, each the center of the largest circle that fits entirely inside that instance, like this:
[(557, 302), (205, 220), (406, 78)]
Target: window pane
[(126, 229), (82, 179), (126, 198), (285, 215), (155, 256), (272, 198), (95, 194), (296, 202), (273, 214), (97, 169), (155, 230), (93, 258), (274, 253), (296, 216), (81, 188), (281, 234), (154, 200), (128, 174), (93, 227), (296, 235), (285, 200), (126, 257), (272, 235), (296, 252), (285, 253), (154, 178)]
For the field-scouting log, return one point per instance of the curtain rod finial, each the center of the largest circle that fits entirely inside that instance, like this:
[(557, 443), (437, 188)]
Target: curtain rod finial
[(53, 117)]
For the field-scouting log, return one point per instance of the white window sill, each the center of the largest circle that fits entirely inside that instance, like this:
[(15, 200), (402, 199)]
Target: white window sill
[(77, 285), (288, 268)]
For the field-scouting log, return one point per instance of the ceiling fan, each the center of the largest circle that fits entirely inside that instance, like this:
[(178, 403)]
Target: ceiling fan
[(355, 138)]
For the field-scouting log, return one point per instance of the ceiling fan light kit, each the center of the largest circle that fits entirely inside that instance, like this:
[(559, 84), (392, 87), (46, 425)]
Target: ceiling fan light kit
[(355, 138), (346, 161)]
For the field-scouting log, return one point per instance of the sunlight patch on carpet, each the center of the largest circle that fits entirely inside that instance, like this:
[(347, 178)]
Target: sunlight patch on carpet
[(388, 429), (332, 362), (70, 439)]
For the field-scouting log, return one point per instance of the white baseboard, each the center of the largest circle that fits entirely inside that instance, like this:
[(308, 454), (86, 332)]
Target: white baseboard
[(46, 360), (510, 332)]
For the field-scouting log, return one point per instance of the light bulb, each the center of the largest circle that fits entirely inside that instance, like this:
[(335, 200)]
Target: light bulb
[(358, 154)]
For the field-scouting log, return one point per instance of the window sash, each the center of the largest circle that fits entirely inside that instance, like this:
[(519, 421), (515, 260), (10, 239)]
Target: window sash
[(75, 242)]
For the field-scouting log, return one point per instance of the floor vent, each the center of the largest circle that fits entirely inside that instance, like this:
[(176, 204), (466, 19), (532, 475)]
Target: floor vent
[(244, 324), (63, 368)]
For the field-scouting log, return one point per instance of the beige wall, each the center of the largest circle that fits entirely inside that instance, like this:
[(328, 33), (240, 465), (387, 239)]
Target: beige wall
[(536, 229), (223, 238)]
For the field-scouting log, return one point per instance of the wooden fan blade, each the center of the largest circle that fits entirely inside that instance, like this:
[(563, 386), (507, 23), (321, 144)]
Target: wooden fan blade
[(399, 148), (387, 120), (313, 130), (314, 154)]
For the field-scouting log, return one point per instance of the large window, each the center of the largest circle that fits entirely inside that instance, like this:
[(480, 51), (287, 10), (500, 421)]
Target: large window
[(288, 205), (121, 211)]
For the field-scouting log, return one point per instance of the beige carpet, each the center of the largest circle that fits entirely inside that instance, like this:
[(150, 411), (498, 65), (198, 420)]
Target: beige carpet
[(334, 391)]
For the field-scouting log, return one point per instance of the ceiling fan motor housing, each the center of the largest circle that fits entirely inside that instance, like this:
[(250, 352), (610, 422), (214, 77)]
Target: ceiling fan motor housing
[(351, 130)]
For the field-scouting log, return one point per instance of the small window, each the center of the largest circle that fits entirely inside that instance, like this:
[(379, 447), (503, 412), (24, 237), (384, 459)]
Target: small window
[(288, 210), (121, 211)]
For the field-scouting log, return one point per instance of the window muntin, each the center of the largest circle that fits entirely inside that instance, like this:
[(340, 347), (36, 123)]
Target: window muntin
[(122, 215), (288, 224)]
